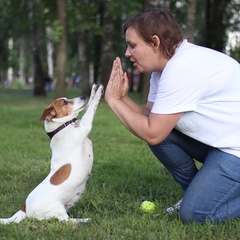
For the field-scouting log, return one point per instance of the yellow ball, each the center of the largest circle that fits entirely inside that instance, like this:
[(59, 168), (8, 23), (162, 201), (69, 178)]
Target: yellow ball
[(148, 207)]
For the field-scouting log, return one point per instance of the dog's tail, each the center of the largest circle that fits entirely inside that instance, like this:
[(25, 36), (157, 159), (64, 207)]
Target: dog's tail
[(16, 218)]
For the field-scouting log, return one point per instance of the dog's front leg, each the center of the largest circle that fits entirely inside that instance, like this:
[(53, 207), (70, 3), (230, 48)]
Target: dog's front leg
[(93, 92), (87, 118)]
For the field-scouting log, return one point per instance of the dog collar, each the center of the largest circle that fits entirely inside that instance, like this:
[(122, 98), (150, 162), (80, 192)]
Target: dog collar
[(51, 134)]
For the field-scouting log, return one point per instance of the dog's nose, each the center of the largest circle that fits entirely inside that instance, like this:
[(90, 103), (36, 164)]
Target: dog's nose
[(82, 97)]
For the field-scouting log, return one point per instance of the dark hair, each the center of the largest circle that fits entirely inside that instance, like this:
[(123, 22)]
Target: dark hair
[(160, 22)]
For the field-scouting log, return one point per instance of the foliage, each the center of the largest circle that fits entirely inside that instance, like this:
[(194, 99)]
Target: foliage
[(90, 18), (56, 34), (125, 173)]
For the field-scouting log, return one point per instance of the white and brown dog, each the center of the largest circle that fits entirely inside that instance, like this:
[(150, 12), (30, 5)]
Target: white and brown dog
[(71, 163)]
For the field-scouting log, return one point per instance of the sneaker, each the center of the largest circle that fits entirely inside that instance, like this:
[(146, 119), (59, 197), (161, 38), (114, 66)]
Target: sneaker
[(175, 208)]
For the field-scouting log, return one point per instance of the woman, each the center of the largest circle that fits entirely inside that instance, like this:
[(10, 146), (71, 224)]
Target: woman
[(192, 112)]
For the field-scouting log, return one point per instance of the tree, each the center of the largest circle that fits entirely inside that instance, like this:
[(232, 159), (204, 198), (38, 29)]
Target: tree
[(14, 27), (92, 35), (38, 74), (61, 49), (85, 26), (191, 19), (108, 38), (216, 24)]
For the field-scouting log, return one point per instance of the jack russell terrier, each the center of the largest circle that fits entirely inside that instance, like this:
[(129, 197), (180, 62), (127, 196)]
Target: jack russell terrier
[(71, 163)]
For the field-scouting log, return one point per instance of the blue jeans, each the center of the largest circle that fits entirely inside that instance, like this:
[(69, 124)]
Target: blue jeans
[(212, 193)]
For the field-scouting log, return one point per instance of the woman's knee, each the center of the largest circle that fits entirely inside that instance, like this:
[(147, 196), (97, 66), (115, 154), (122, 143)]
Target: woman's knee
[(186, 213), (191, 213), (195, 210)]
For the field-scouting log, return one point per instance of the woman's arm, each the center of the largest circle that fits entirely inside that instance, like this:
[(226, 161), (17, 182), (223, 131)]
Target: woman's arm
[(153, 129), (135, 107)]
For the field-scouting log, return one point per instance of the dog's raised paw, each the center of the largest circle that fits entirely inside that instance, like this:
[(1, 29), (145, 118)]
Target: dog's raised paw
[(94, 87), (101, 89)]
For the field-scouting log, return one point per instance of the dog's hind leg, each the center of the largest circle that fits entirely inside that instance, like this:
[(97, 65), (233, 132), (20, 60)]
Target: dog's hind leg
[(16, 218)]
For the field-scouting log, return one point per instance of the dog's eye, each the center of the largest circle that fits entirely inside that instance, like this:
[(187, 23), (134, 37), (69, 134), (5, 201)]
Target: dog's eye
[(65, 102)]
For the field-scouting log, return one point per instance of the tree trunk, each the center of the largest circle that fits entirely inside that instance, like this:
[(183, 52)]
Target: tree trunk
[(166, 3), (84, 64), (50, 50), (21, 74), (61, 50), (10, 68), (98, 42), (145, 86), (216, 24), (38, 76), (145, 77), (107, 58), (191, 19)]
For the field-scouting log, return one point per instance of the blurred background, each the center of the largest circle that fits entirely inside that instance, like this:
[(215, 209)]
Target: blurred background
[(51, 45)]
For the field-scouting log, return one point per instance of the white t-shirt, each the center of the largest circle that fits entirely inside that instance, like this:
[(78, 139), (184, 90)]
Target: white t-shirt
[(205, 85)]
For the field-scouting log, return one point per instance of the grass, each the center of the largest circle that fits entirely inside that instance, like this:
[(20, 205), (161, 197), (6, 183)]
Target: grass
[(125, 173)]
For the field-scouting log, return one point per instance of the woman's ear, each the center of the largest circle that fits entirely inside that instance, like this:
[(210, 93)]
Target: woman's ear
[(155, 43)]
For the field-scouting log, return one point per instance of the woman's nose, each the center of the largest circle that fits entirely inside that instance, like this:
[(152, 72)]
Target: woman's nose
[(127, 53)]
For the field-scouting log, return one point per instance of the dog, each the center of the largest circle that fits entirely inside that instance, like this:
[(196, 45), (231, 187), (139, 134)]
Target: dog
[(71, 162)]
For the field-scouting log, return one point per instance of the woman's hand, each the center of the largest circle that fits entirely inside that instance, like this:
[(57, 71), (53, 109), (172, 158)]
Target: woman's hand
[(117, 87), (125, 81)]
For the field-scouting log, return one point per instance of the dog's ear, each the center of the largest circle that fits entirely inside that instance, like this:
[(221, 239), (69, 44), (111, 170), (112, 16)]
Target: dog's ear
[(48, 114)]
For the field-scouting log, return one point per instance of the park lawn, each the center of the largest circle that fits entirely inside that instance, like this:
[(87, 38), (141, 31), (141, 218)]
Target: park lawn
[(125, 173)]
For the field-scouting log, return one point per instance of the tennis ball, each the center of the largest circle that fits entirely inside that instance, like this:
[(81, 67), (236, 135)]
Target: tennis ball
[(148, 207)]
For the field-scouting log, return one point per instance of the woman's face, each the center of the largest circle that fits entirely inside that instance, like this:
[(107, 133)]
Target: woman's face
[(142, 54)]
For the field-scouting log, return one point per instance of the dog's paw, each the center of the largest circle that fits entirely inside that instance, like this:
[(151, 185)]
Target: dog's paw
[(101, 89), (77, 123), (94, 89), (79, 220)]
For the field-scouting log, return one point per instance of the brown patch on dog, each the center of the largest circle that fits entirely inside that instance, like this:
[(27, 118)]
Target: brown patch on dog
[(24, 208), (61, 175), (48, 114), (59, 108)]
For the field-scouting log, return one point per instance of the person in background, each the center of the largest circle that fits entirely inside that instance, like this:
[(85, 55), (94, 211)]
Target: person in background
[(48, 83), (192, 113)]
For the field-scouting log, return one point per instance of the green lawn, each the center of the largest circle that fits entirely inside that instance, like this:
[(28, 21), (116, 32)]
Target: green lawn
[(125, 173)]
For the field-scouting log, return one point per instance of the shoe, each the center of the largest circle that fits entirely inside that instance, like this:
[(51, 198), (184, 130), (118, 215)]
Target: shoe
[(175, 208)]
